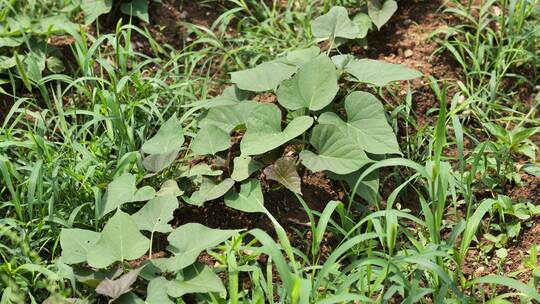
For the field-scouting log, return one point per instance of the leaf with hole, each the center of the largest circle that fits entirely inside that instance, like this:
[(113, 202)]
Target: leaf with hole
[(378, 72), (379, 12), (284, 172), (156, 214), (313, 87), (366, 124), (336, 152), (75, 244), (335, 23), (264, 130), (120, 240), (248, 199)]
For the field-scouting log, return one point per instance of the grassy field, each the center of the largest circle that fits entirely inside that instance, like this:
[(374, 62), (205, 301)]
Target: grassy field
[(250, 151)]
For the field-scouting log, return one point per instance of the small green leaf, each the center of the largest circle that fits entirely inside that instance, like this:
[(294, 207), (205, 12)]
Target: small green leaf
[(94, 8), (313, 87), (210, 140), (243, 167), (264, 130), (120, 240), (169, 187), (210, 190), (229, 117), (531, 169), (301, 57), (378, 72), (379, 12), (122, 190), (336, 152), (366, 124), (158, 162), (284, 172), (197, 279), (264, 77), (137, 8), (335, 23), (156, 214), (55, 65), (169, 138), (201, 170), (75, 244), (249, 199), (188, 241)]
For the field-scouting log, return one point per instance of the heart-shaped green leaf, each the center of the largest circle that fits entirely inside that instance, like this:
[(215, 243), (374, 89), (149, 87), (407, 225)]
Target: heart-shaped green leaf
[(120, 240), (336, 152), (335, 23), (210, 190), (364, 23), (188, 241), (313, 87), (366, 124), (75, 244), (229, 117), (168, 138), (156, 293), (158, 162), (169, 187), (379, 12), (243, 167), (284, 172), (201, 169), (301, 57), (264, 130), (136, 8), (210, 140), (122, 190), (94, 8), (198, 278), (249, 199), (156, 214), (378, 72), (264, 77)]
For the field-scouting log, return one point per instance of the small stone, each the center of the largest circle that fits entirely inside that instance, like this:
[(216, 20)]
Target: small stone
[(408, 53), (407, 22)]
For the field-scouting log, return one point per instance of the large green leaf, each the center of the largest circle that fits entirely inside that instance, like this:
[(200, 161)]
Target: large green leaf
[(243, 167), (249, 199), (378, 72), (313, 87), (94, 8), (303, 56), (335, 23), (284, 172), (188, 241), (198, 278), (120, 240), (379, 12), (264, 130), (366, 124), (264, 77), (158, 162), (157, 293), (168, 138), (75, 244), (210, 190), (210, 140), (364, 23), (229, 117), (123, 190), (136, 8), (156, 214), (336, 152)]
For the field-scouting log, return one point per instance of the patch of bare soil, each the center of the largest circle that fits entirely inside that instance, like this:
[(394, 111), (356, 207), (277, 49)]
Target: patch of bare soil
[(405, 39)]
